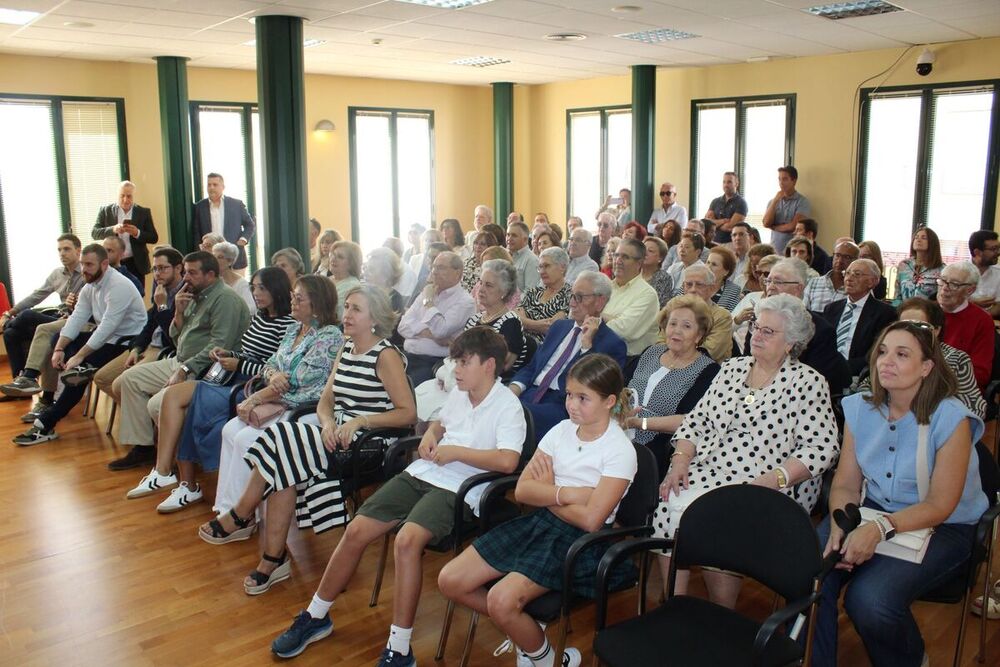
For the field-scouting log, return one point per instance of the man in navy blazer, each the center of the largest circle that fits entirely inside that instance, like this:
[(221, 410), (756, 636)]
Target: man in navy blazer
[(133, 224), (223, 215), (541, 384), (858, 329)]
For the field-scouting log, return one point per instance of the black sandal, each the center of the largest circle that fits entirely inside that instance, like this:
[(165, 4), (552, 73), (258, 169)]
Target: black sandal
[(244, 529), (265, 581)]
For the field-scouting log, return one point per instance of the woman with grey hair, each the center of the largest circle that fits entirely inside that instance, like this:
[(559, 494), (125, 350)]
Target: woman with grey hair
[(497, 284), (766, 419), (290, 261), (543, 305), (383, 270), (209, 240), (225, 254)]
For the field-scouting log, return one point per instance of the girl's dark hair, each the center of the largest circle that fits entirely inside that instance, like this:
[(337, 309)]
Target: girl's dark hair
[(482, 342), (457, 227), (322, 296), (601, 374), (275, 281)]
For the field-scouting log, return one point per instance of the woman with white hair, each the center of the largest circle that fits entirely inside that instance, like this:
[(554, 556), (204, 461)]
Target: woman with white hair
[(497, 283), (383, 269), (226, 253), (426, 239), (543, 305), (766, 419)]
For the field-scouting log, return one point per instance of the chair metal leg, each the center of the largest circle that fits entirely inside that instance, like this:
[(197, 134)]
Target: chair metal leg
[(467, 650), (560, 646), (644, 566), (959, 646), (111, 418), (86, 399), (449, 615), (380, 572)]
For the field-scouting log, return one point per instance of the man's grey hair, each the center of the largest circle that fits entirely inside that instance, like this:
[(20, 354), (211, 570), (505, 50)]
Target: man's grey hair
[(126, 184), (385, 263), (557, 255), (799, 327), (213, 238), (968, 268), (796, 266), (600, 284), (609, 217), (581, 234), (294, 258), (454, 260), (505, 273), (699, 271), (485, 209), (871, 266), (228, 250), (698, 222)]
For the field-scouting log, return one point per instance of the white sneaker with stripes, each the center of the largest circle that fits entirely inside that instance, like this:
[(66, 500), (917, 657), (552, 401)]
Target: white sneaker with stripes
[(152, 483), (180, 498)]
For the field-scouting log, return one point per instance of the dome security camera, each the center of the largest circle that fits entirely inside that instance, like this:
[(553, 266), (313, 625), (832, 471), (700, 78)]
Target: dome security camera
[(925, 63)]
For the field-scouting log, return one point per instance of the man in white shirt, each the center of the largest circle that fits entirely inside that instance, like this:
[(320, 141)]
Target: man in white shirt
[(578, 249), (669, 209), (116, 307), (694, 226), (481, 428), (631, 311), (739, 243), (984, 247), (218, 214), (525, 261)]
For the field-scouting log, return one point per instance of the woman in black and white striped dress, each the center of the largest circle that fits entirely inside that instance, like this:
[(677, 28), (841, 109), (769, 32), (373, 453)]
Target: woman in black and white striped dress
[(290, 460), (497, 283)]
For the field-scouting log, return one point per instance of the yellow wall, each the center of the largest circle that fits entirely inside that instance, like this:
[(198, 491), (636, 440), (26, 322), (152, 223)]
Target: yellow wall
[(825, 111), (462, 118)]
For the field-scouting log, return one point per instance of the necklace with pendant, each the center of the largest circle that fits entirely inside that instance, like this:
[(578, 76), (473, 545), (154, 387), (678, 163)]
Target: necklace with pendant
[(750, 398)]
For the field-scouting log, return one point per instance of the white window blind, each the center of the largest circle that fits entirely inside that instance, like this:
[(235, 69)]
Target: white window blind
[(93, 161)]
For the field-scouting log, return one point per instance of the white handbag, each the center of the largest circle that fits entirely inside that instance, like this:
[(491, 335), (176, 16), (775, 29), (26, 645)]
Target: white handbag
[(911, 545)]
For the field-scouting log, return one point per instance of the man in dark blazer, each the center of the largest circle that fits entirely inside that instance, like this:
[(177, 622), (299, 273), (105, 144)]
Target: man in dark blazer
[(858, 320), (223, 215), (133, 224), (541, 384)]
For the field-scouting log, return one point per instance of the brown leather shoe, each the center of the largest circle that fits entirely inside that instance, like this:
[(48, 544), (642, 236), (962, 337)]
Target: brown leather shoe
[(137, 456)]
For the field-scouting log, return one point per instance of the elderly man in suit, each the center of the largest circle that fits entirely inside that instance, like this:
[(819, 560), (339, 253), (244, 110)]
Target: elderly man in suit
[(133, 224), (860, 318), (223, 215), (541, 384)]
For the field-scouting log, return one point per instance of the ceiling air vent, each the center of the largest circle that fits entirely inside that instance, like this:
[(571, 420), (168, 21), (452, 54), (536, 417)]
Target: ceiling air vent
[(850, 10)]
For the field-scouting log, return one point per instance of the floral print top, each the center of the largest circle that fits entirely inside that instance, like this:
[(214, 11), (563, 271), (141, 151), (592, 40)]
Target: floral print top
[(309, 364), (911, 281)]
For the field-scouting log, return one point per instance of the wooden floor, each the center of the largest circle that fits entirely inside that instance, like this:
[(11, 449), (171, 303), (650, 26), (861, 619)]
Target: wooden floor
[(89, 578)]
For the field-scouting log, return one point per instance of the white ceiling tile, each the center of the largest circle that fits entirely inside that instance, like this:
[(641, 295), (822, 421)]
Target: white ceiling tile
[(925, 34), (986, 26)]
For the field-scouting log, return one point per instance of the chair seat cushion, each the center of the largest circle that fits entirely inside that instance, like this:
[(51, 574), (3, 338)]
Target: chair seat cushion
[(689, 631)]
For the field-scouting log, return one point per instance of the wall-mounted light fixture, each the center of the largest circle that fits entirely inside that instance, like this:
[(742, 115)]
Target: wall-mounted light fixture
[(325, 126)]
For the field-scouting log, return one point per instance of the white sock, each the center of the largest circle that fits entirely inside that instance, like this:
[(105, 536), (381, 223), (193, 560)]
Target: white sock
[(520, 650), (543, 657), (319, 607), (399, 639)]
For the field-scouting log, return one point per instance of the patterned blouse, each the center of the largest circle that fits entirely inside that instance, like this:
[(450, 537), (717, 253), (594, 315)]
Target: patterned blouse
[(309, 364), (911, 282), (536, 309), (663, 284), (677, 392), (470, 274), (507, 325)]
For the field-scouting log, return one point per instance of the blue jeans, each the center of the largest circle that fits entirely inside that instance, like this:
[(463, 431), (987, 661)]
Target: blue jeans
[(879, 595)]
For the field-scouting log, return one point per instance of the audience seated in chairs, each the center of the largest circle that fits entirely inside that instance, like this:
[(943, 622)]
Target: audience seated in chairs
[(743, 312), (193, 413), (576, 478), (117, 310), (345, 268), (722, 261), (766, 419), (543, 305), (751, 281), (115, 247), (871, 250), (290, 261), (470, 272), (541, 384), (207, 315), (497, 252), (671, 377), (917, 276), (324, 246), (496, 285), (690, 251), (823, 290), (912, 392), (226, 254), (383, 270), (700, 281), (859, 319), (481, 427), (802, 248), (652, 270), (577, 247), (631, 311), (967, 326)]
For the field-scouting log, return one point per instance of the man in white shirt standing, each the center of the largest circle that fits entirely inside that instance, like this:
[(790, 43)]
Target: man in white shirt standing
[(481, 428), (669, 209), (218, 214), (984, 247), (116, 307)]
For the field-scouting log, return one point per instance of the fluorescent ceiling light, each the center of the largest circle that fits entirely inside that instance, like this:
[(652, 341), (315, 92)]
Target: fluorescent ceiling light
[(305, 44), (849, 10), (480, 61), (17, 16), (657, 35), (446, 4)]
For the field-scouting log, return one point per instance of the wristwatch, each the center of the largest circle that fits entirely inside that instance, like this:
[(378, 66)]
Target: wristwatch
[(886, 523), (186, 369)]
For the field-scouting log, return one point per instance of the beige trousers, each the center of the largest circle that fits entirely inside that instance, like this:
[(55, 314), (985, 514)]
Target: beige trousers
[(40, 354), (109, 378), (141, 391)]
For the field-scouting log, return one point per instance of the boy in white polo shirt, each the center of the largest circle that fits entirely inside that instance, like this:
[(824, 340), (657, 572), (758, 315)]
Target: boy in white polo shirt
[(481, 428)]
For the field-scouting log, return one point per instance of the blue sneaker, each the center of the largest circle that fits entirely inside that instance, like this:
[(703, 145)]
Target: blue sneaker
[(304, 631), (392, 658)]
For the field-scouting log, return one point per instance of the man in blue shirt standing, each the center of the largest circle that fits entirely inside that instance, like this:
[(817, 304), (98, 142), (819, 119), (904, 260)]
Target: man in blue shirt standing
[(786, 209)]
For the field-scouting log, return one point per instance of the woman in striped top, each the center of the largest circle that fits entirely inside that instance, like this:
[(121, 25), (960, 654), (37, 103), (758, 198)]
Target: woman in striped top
[(543, 305), (290, 460), (194, 412), (497, 283)]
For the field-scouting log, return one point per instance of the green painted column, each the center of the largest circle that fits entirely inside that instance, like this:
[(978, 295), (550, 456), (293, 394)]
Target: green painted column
[(643, 145), (281, 98), (503, 151), (171, 74)]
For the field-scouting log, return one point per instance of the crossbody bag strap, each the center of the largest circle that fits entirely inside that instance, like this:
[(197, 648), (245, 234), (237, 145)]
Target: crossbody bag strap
[(923, 475)]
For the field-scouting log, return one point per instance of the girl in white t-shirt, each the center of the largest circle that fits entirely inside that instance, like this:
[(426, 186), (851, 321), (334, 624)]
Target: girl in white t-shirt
[(578, 476)]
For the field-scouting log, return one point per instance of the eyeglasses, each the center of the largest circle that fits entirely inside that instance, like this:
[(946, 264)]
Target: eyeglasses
[(576, 296), (623, 256), (694, 284), (665, 193), (299, 298), (857, 274), (159, 269), (779, 283), (767, 333), (951, 284)]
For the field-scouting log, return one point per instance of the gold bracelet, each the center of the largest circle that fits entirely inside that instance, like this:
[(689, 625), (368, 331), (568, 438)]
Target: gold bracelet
[(782, 479), (679, 452)]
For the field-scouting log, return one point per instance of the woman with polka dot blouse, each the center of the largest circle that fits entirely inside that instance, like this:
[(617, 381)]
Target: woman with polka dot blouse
[(766, 419)]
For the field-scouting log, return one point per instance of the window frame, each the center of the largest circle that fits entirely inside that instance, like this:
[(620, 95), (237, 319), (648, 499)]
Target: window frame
[(604, 149), (59, 147), (394, 112), (739, 149), (923, 175)]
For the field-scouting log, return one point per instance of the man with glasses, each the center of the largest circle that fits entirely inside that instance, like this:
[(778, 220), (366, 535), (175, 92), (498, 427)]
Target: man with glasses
[(606, 228), (788, 276), (785, 210), (541, 384), (579, 260), (700, 281), (966, 326), (728, 209), (824, 290), (438, 315), (859, 319), (631, 310), (984, 247), (669, 209)]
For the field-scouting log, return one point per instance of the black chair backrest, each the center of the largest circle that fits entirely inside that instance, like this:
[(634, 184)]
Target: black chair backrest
[(530, 443), (643, 495), (754, 531), (995, 371), (989, 473)]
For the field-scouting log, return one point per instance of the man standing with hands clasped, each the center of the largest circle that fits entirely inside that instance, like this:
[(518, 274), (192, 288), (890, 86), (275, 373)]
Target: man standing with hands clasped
[(133, 224)]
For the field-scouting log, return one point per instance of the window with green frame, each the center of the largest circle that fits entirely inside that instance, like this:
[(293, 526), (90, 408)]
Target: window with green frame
[(928, 155), (598, 158), (751, 136), (225, 140), (392, 172), (62, 159)]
